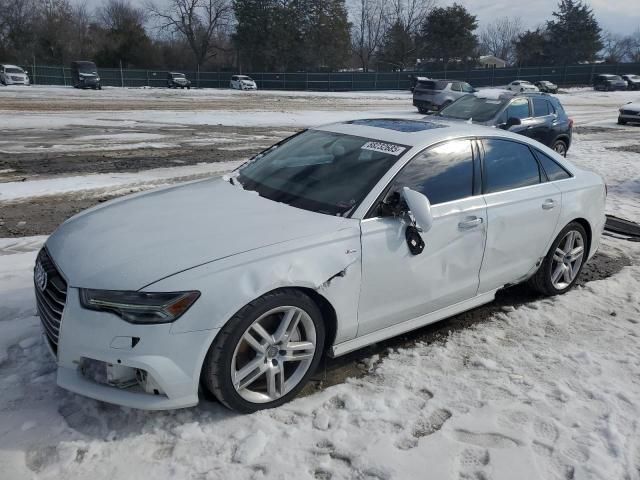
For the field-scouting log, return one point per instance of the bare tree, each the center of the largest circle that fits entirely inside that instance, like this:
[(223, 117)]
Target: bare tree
[(615, 47), (368, 30), (200, 22), (411, 14), (499, 37), (120, 14)]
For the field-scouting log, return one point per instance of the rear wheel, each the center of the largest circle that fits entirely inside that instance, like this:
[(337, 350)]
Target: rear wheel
[(265, 354), (560, 146), (564, 261)]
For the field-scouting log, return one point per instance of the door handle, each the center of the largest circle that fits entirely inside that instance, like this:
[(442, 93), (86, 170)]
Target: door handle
[(548, 204), (470, 223)]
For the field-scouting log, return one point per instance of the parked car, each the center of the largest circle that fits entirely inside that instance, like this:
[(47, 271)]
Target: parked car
[(85, 75), (629, 113), (546, 86), (178, 80), (522, 86), (242, 82), (336, 238), (609, 82), (13, 75), (536, 115), (433, 94), (633, 81)]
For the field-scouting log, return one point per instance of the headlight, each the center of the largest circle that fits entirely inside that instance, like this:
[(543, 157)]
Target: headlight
[(139, 307), (97, 79)]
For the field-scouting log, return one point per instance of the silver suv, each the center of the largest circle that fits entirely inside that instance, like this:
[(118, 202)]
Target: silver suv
[(431, 94)]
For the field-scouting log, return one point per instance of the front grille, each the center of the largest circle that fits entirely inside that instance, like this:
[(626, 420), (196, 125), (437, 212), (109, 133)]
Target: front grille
[(17, 79), (50, 300), (630, 112)]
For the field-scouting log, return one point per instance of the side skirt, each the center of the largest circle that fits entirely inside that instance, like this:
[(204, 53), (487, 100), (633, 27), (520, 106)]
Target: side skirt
[(414, 323)]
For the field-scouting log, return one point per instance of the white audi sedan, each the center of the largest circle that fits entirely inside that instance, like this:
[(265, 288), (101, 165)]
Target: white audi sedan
[(336, 238)]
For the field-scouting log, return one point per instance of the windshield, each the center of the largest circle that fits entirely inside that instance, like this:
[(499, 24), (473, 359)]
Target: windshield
[(178, 75), (477, 108), (244, 78), (320, 171), (13, 70), (87, 68)]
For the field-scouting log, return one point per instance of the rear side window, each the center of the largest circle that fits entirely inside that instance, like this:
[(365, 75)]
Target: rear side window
[(519, 108), (456, 87), (443, 173), (541, 107), (431, 84), (551, 168), (508, 165)]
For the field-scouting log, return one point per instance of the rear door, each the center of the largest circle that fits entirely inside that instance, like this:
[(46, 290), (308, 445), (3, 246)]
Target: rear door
[(541, 126), (522, 212)]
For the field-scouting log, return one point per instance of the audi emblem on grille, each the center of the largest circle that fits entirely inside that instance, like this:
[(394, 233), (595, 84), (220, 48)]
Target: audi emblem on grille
[(40, 276)]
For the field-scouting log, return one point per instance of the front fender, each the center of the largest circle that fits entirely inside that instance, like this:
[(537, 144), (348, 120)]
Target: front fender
[(330, 265)]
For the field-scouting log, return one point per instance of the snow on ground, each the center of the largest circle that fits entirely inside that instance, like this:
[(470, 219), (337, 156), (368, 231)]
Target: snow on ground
[(113, 182), (548, 390)]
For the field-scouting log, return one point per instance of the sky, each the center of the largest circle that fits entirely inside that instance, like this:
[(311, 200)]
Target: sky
[(617, 16)]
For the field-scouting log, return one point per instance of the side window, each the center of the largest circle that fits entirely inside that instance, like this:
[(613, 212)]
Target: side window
[(508, 165), (519, 108), (443, 173), (455, 86), (551, 168), (465, 87), (540, 107), (552, 109)]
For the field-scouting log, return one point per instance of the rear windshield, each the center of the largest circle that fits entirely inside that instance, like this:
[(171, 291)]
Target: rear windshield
[(244, 78), (320, 171), (13, 70), (431, 84), (612, 77), (471, 107)]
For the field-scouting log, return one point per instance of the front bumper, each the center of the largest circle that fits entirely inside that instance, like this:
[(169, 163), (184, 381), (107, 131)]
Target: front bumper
[(629, 116), (172, 360)]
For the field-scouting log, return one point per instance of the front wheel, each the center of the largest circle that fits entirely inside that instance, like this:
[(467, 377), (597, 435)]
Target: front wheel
[(621, 121), (564, 261), (265, 354)]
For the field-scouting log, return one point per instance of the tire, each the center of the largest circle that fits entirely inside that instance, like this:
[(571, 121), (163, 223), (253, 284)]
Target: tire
[(265, 384), (543, 280), (621, 121), (560, 146), (422, 111)]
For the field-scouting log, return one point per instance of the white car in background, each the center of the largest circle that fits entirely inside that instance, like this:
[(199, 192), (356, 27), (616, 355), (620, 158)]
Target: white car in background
[(336, 238), (629, 113), (242, 82), (522, 86), (13, 75)]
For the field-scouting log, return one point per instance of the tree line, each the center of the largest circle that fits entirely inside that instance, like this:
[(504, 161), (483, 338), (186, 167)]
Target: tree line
[(298, 35)]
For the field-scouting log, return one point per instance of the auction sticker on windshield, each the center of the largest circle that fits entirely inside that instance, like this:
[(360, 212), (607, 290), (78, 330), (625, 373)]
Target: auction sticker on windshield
[(383, 147)]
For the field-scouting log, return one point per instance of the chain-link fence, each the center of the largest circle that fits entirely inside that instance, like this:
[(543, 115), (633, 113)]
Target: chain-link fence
[(566, 75)]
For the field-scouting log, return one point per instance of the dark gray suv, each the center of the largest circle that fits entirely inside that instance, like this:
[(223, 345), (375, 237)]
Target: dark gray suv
[(536, 115), (431, 94)]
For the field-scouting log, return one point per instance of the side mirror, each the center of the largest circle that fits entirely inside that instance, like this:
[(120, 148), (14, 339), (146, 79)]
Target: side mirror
[(512, 122), (420, 208)]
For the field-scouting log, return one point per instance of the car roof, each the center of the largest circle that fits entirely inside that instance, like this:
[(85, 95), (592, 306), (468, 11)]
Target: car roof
[(6, 65), (415, 133)]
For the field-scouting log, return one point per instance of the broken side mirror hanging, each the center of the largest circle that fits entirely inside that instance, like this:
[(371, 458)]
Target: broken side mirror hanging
[(421, 218)]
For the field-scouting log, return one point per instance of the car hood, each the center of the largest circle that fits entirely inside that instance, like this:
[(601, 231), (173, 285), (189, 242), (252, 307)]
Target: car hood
[(631, 106), (133, 241)]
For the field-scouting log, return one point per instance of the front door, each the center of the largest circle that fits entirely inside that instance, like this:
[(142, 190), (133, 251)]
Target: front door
[(397, 285)]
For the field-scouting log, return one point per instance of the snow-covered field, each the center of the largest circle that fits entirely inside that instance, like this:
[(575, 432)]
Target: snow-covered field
[(546, 390)]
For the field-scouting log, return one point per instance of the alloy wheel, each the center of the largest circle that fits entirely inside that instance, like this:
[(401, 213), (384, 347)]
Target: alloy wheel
[(273, 354), (560, 148), (567, 260)]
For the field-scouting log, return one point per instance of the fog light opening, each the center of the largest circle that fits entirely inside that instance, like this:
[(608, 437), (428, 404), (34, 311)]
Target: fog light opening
[(147, 382)]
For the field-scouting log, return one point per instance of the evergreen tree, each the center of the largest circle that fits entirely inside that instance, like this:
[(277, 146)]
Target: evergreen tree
[(398, 51), (574, 34), (448, 34), (532, 48)]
